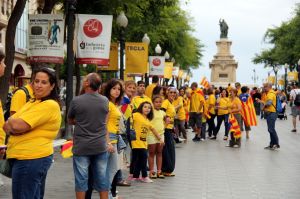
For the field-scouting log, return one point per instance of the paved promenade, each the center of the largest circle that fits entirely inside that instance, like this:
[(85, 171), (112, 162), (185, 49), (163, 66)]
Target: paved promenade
[(208, 170)]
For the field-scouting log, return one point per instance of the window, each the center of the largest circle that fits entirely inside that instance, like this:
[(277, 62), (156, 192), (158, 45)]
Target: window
[(222, 75), (21, 32)]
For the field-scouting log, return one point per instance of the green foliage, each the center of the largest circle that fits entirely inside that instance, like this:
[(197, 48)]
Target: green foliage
[(286, 43)]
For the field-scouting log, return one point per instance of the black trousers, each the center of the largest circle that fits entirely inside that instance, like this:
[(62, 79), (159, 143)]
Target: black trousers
[(211, 124), (139, 162), (168, 155)]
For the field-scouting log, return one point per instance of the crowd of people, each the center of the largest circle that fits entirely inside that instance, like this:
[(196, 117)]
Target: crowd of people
[(119, 122)]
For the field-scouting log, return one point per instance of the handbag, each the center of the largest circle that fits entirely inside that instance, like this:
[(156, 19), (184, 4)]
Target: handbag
[(6, 168)]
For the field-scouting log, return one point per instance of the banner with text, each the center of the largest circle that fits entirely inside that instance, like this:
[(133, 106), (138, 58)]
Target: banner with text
[(175, 71), (157, 64), (113, 59), (168, 70), (93, 39), (136, 58), (292, 76), (46, 38)]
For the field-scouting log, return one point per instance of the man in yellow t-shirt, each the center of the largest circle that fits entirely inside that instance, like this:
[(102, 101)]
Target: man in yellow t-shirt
[(149, 89), (238, 88), (20, 98), (269, 107), (141, 97), (196, 110)]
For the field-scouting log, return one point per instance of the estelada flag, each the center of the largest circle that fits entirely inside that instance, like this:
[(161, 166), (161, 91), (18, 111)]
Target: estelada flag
[(66, 149), (234, 127), (248, 112), (204, 82)]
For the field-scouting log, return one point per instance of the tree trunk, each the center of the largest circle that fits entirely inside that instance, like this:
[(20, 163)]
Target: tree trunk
[(10, 47), (48, 7), (78, 79)]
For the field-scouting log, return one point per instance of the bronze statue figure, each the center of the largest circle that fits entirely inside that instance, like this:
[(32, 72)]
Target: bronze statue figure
[(223, 28)]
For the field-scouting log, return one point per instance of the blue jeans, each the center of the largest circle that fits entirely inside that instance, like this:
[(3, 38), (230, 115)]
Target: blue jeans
[(271, 119), (98, 164), (112, 167), (220, 119), (29, 177)]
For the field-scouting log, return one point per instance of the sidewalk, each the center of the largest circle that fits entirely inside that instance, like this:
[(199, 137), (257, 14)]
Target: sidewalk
[(208, 170)]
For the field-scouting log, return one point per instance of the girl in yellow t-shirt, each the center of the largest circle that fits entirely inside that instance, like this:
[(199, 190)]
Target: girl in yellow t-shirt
[(154, 145), (222, 107), (235, 109), (142, 127)]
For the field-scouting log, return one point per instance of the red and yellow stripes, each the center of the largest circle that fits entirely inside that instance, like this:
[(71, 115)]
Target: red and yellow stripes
[(234, 127), (248, 112), (204, 82)]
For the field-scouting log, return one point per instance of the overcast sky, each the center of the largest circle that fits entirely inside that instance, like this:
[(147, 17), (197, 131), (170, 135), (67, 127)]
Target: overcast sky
[(248, 21)]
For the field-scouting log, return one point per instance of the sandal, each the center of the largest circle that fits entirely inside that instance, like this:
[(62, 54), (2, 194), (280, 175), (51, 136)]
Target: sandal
[(160, 175), (152, 175), (124, 183)]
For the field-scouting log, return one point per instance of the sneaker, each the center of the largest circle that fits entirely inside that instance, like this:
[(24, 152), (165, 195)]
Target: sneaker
[(153, 175), (181, 139), (169, 174), (213, 138), (130, 177), (146, 180), (236, 146), (195, 139), (202, 139), (294, 130), (160, 175), (275, 146), (225, 138), (135, 179), (268, 147)]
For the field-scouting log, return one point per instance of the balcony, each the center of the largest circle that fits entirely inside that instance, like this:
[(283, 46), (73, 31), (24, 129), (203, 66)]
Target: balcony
[(3, 20)]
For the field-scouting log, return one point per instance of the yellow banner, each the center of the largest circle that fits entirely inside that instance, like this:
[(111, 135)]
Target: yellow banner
[(136, 57), (292, 76), (280, 82), (168, 70), (113, 59), (271, 79), (180, 74)]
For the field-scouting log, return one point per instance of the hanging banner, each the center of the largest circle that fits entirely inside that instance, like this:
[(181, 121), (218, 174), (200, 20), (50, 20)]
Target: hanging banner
[(157, 64), (93, 39), (180, 74), (45, 38), (271, 79), (136, 57), (280, 82), (175, 71), (168, 70), (292, 76), (113, 59)]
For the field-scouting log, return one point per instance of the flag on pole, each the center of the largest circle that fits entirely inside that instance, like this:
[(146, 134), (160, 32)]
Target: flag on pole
[(66, 149), (204, 82), (248, 112), (234, 127)]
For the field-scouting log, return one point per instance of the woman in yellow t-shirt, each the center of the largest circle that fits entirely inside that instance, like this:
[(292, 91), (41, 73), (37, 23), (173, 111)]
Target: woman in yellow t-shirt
[(222, 107), (211, 103), (235, 109), (114, 93), (32, 131), (168, 164), (154, 144), (142, 127)]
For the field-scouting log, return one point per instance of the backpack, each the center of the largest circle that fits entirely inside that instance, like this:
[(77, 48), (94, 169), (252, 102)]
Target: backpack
[(297, 99), (8, 101)]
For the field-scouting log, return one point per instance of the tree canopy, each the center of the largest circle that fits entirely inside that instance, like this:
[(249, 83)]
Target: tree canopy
[(285, 42)]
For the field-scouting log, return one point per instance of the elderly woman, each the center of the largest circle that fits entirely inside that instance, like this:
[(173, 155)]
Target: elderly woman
[(32, 131)]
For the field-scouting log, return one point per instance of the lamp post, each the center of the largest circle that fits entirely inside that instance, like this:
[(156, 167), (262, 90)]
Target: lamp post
[(70, 8), (146, 40), (275, 70), (285, 76), (122, 22), (255, 77)]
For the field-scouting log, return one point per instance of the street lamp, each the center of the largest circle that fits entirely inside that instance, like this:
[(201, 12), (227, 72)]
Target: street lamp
[(255, 77), (122, 22), (275, 70), (167, 56), (146, 40), (158, 49), (285, 76)]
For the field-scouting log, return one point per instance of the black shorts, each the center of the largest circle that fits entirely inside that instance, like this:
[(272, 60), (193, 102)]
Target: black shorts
[(195, 120)]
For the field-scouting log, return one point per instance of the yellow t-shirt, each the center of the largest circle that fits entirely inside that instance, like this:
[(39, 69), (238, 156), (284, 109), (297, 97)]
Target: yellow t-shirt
[(142, 127), (235, 103), (2, 133), (149, 90), (170, 112), (223, 102), (271, 95), (158, 122), (137, 100), (44, 119), (197, 102), (18, 99), (211, 101), (113, 119), (239, 92), (180, 112)]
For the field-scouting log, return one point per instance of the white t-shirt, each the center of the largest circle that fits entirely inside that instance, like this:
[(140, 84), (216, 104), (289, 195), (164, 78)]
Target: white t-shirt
[(293, 93)]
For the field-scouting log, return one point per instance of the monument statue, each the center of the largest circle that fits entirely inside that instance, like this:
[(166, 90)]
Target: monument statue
[(223, 28)]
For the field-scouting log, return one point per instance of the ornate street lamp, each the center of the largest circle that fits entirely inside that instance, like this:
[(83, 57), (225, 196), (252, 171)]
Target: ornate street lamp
[(275, 70), (146, 40), (158, 49), (285, 76), (122, 22), (167, 56)]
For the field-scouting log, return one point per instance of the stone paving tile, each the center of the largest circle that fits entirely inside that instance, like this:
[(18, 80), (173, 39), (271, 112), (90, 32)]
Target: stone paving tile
[(208, 170)]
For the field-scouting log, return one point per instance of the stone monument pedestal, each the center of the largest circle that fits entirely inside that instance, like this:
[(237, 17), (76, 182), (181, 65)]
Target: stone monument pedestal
[(223, 66)]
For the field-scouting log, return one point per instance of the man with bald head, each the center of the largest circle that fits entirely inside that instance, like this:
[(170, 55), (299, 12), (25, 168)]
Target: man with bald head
[(88, 112), (269, 108)]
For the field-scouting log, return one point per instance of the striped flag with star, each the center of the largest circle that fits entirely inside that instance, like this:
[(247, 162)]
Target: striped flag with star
[(204, 82), (248, 112), (234, 127)]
